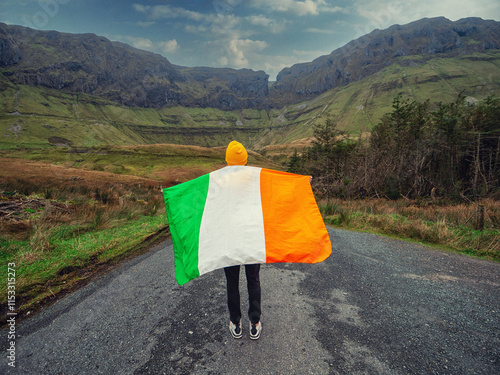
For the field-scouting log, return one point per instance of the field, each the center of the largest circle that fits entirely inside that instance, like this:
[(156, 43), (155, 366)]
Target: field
[(66, 214), (56, 221)]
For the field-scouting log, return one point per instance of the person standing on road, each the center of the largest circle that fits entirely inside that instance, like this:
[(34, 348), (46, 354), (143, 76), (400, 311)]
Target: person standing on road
[(237, 155)]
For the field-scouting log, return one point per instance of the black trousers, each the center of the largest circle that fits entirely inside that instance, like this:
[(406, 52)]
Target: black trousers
[(233, 292)]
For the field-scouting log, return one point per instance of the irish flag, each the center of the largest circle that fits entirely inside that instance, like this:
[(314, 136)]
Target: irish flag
[(244, 215)]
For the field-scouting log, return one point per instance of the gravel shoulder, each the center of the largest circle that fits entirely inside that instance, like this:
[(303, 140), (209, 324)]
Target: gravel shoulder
[(376, 306)]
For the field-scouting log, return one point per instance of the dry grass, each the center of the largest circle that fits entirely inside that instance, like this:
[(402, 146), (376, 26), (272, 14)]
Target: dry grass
[(287, 149), (445, 224), (452, 214), (177, 175), (68, 197), (58, 220), (42, 173)]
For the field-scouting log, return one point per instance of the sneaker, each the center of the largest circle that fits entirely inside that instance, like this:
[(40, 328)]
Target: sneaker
[(235, 330), (255, 330)]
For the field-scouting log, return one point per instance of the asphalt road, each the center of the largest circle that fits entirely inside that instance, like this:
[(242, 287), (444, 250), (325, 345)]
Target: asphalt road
[(376, 306)]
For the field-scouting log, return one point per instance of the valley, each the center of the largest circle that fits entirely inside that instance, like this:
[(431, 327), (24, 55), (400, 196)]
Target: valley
[(42, 117), (92, 130)]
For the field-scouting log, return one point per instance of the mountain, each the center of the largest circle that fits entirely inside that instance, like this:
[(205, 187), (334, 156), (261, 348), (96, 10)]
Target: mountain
[(92, 64), (61, 89), (369, 54)]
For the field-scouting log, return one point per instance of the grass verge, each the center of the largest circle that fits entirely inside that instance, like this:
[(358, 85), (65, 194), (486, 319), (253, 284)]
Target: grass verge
[(61, 225), (57, 259), (449, 226)]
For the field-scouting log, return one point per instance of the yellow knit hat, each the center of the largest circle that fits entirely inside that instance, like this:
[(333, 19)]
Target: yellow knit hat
[(236, 154)]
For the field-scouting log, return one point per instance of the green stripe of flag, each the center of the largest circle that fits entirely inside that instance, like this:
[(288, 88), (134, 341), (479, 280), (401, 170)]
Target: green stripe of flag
[(185, 204)]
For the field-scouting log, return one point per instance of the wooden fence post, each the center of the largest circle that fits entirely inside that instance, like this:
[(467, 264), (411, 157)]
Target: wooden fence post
[(480, 217)]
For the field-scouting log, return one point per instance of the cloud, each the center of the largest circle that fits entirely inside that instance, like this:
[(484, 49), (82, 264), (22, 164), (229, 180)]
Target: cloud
[(199, 29), (145, 24), (269, 24), (223, 26), (302, 8), (163, 48), (320, 31), (216, 25), (230, 26), (382, 14), (170, 46), (299, 8), (141, 43), (166, 11), (333, 9), (237, 39), (223, 37), (240, 50)]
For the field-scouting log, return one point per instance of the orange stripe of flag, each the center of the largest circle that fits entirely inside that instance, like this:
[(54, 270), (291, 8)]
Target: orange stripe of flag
[(293, 226)]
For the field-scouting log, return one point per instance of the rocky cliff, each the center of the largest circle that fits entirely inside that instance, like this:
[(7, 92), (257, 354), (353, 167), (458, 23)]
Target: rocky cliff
[(94, 65), (379, 49)]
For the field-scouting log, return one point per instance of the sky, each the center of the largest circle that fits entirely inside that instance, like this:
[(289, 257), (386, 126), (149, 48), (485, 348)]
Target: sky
[(263, 35)]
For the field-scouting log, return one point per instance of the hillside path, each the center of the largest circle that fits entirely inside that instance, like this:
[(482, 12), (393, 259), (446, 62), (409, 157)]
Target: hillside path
[(376, 306)]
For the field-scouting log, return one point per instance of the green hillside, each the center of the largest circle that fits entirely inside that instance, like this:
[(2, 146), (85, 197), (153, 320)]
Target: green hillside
[(41, 117), (358, 106)]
